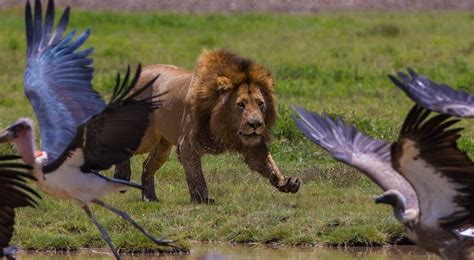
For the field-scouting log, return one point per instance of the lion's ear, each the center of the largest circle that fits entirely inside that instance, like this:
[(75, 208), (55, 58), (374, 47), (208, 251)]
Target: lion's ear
[(223, 83)]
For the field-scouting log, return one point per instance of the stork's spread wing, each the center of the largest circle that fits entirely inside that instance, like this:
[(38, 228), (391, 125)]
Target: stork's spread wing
[(434, 96), (426, 154), (58, 79), (14, 193), (111, 136), (349, 146)]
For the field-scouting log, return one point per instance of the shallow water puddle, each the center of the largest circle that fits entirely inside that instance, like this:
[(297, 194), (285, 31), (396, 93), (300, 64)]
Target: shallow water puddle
[(226, 251)]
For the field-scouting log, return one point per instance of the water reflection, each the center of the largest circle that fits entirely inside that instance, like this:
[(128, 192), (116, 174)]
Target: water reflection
[(259, 252)]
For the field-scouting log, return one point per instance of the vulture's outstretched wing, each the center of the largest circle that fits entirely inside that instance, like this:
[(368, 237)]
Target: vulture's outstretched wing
[(58, 78), (426, 154), (349, 146), (112, 136), (435, 96), (14, 193)]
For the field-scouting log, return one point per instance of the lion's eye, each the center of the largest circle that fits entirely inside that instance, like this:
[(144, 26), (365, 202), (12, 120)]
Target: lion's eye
[(241, 104), (260, 103)]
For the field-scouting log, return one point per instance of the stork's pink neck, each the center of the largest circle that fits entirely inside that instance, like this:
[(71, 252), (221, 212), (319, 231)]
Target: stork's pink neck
[(26, 146)]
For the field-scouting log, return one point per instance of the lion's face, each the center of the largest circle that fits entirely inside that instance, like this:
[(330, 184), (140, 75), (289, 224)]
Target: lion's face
[(248, 113), (243, 116), (234, 97)]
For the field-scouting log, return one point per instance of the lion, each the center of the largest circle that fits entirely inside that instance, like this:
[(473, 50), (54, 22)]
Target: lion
[(226, 104)]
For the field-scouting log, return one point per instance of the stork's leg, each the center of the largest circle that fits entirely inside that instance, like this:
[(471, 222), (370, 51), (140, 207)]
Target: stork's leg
[(127, 218), (153, 163), (102, 230)]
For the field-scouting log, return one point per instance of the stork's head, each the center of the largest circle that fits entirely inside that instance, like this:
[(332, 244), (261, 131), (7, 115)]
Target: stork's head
[(21, 134)]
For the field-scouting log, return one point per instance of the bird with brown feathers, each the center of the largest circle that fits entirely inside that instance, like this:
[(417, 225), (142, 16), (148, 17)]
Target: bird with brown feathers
[(434, 96), (427, 179)]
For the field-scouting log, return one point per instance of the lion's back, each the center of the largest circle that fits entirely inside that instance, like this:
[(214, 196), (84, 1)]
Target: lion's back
[(166, 122)]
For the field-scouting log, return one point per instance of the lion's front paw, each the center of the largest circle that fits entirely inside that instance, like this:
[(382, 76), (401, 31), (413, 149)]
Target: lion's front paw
[(292, 185)]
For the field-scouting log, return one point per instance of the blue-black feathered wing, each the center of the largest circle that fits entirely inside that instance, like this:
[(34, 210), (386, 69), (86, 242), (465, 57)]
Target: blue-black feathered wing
[(113, 135), (58, 78)]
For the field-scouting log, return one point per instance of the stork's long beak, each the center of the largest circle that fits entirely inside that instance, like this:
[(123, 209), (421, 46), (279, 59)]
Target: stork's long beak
[(7, 135)]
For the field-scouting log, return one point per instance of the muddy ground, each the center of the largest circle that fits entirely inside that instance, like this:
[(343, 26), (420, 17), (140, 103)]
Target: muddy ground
[(291, 6)]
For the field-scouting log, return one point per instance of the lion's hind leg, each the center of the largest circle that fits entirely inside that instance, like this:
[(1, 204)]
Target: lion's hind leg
[(123, 171), (156, 158)]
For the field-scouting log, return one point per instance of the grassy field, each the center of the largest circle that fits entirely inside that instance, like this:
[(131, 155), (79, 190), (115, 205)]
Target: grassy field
[(333, 62)]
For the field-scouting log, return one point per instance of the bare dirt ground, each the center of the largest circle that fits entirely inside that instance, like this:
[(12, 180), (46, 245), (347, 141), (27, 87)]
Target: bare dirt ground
[(291, 6)]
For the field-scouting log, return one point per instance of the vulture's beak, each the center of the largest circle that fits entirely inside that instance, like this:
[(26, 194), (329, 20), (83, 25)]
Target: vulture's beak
[(382, 199)]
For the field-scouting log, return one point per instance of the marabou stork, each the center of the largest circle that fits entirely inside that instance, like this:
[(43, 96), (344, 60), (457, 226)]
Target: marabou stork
[(426, 178), (435, 96), (80, 134), (14, 193)]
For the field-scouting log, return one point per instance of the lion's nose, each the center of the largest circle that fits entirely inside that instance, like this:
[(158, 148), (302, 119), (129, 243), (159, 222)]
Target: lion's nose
[(255, 123)]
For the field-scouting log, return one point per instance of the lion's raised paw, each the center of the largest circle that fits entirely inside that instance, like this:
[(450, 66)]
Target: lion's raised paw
[(292, 185)]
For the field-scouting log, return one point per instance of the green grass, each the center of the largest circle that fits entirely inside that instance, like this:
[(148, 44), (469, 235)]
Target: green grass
[(334, 62)]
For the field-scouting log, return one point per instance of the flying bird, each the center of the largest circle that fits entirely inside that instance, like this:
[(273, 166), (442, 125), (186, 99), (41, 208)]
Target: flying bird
[(435, 96), (14, 193), (427, 180), (80, 134), (346, 144)]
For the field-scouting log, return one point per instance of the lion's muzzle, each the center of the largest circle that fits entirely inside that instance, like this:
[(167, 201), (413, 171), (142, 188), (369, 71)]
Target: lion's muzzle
[(252, 131), (255, 123)]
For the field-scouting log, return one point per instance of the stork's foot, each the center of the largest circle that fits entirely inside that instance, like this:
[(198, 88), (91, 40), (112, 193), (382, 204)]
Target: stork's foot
[(161, 242), (292, 185), (171, 247)]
